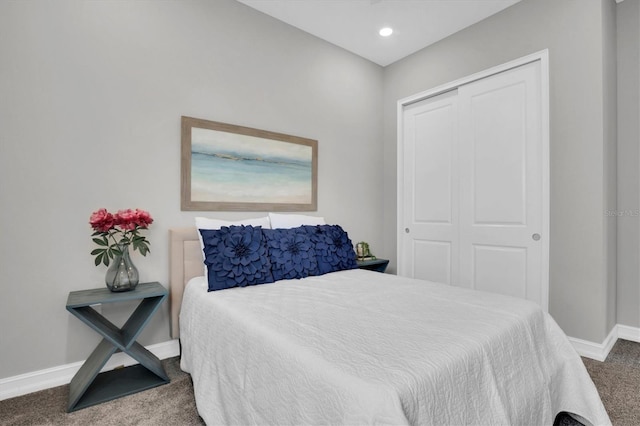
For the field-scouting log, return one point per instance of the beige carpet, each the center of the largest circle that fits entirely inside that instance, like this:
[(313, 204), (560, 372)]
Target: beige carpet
[(170, 404), (617, 380)]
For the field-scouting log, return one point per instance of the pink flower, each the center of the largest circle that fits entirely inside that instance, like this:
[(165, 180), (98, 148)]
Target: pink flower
[(101, 220), (126, 219), (114, 231), (143, 218)]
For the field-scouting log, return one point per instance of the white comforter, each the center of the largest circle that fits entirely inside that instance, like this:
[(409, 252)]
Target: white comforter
[(359, 347)]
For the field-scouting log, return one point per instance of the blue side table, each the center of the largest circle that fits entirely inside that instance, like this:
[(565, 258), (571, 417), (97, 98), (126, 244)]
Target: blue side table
[(90, 388)]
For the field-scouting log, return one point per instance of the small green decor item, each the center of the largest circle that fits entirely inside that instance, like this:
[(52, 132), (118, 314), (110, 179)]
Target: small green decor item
[(363, 252), (114, 233)]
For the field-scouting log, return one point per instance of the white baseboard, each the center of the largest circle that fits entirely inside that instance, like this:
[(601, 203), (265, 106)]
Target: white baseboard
[(62, 375), (599, 351), (628, 333)]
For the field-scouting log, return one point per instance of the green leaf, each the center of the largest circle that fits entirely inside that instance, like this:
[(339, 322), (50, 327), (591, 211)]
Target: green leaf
[(142, 245), (105, 260), (100, 242), (98, 260), (98, 251)]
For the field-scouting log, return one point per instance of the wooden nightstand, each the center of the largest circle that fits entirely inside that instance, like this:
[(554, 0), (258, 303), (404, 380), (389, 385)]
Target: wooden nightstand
[(378, 265), (88, 387)]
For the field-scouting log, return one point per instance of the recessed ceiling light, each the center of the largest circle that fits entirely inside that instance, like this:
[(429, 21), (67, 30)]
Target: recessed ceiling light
[(386, 32)]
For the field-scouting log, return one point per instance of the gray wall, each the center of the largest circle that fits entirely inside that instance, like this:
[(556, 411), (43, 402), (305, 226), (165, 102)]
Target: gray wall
[(91, 95), (610, 138), (576, 32), (628, 294)]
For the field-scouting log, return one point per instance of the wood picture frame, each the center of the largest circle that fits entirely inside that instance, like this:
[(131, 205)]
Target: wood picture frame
[(225, 167)]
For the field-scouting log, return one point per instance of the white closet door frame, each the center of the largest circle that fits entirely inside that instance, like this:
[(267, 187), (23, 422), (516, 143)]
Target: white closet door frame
[(543, 58)]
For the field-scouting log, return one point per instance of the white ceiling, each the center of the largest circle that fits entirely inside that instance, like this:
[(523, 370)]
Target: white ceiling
[(354, 24)]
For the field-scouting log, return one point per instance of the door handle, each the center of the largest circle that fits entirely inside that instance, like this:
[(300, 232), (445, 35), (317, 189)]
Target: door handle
[(536, 237)]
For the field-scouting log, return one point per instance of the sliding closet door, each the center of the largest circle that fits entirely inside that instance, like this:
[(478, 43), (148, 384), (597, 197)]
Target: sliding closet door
[(473, 191), (501, 184), (431, 189)]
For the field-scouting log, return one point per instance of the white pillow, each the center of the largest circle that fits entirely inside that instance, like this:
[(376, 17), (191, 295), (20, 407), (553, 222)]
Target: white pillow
[(288, 221), (207, 223)]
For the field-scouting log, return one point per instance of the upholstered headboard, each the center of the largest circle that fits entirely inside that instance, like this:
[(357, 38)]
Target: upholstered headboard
[(185, 262)]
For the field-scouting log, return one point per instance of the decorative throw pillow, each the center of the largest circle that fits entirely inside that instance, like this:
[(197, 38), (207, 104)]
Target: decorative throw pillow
[(291, 253), (333, 248), (288, 221), (236, 256), (211, 223)]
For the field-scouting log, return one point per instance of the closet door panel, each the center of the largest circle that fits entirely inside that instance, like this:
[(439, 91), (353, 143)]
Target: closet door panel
[(501, 183), (430, 241), (498, 149), (509, 279), (438, 267)]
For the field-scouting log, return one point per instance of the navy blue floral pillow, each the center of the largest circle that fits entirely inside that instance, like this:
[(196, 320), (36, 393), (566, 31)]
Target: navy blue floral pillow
[(291, 253), (236, 256), (333, 248)]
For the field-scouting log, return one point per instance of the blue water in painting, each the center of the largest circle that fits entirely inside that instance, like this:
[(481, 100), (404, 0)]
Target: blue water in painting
[(233, 178)]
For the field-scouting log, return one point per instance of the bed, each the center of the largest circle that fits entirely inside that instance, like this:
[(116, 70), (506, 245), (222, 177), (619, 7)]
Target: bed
[(361, 347)]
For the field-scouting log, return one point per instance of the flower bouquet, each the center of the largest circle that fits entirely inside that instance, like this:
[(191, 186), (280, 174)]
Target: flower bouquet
[(114, 233)]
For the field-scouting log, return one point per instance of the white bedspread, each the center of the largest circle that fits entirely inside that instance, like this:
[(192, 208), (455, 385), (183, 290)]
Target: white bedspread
[(359, 347)]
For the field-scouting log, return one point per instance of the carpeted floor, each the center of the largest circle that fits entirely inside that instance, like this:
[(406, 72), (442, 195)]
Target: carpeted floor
[(170, 404), (617, 380)]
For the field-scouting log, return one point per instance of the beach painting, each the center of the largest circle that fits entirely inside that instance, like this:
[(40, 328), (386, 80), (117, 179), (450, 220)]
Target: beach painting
[(235, 168)]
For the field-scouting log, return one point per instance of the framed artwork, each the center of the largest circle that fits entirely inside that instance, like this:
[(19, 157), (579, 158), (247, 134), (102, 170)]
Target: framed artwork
[(235, 168)]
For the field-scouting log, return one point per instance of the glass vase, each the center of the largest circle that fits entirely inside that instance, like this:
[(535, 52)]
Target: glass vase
[(122, 275)]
